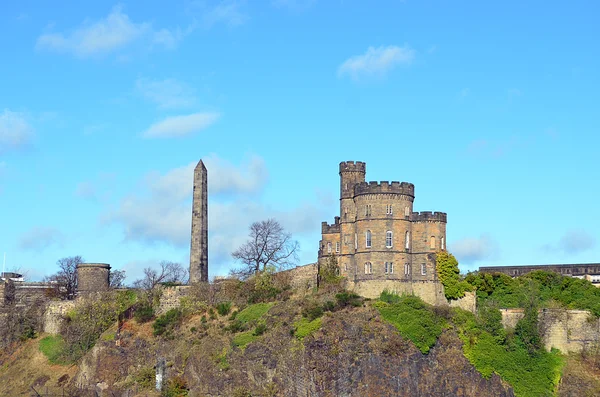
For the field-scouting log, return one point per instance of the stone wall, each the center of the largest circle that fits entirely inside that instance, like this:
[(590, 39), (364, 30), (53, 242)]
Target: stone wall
[(171, 298), (566, 330), (54, 315)]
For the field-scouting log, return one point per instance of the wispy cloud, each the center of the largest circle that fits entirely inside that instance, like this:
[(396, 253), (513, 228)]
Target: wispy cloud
[(572, 242), (226, 12), (15, 131), (166, 94), (178, 126), (114, 32), (376, 61), (473, 249), (40, 238)]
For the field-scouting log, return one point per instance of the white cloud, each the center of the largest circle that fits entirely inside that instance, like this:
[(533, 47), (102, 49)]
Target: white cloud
[(166, 94), (162, 214), (376, 61), (15, 132), (177, 126), (227, 12), (473, 249), (41, 237), (106, 35), (573, 242)]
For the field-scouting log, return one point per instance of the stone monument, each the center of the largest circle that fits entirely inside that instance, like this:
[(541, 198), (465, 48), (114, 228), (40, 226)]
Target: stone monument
[(199, 243)]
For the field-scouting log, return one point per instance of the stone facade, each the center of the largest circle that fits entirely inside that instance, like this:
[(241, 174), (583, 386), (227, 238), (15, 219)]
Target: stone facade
[(199, 243), (171, 298), (378, 238), (566, 330), (55, 314), (92, 277)]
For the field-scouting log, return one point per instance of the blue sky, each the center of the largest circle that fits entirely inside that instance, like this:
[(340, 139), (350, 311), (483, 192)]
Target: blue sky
[(490, 108)]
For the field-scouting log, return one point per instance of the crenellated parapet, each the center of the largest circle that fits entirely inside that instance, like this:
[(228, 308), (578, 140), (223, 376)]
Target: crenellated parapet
[(428, 216), (333, 228), (373, 187), (351, 166)]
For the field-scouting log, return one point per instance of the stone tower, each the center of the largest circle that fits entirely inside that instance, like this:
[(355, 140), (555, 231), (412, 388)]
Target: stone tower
[(92, 277), (199, 244)]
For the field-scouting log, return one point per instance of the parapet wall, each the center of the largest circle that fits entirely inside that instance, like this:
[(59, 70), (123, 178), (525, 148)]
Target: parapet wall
[(171, 298), (566, 330), (351, 166), (374, 187), (303, 277), (428, 216), (331, 229)]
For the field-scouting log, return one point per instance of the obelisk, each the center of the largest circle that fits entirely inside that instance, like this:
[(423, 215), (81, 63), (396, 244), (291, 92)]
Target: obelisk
[(199, 244)]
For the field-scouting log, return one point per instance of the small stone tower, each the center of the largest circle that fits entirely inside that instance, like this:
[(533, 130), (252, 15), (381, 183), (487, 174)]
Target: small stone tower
[(92, 277), (199, 243)]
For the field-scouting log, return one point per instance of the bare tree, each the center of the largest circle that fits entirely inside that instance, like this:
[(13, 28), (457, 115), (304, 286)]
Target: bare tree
[(64, 282), (116, 278), (268, 246), (168, 272)]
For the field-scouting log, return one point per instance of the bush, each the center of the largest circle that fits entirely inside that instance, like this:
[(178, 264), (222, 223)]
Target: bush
[(166, 324), (305, 327), (244, 339), (224, 308), (145, 378), (414, 319), (260, 329), (312, 310), (176, 387), (348, 299), (447, 270), (144, 313)]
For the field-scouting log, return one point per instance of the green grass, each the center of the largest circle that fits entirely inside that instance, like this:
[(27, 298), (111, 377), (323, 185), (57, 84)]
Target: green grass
[(243, 339), (529, 374), (413, 318), (53, 347), (305, 327), (253, 312)]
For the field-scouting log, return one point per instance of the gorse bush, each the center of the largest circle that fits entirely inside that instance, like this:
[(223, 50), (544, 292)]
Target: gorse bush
[(224, 308), (165, 325), (414, 319)]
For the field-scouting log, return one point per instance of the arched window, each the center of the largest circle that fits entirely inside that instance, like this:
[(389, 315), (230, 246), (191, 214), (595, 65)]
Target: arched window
[(368, 239), (389, 239), (432, 242), (407, 240), (368, 268), (329, 248)]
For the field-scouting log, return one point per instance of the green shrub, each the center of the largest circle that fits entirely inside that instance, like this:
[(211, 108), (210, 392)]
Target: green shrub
[(306, 327), (449, 275), (53, 348), (328, 306), (312, 310), (223, 308), (236, 326), (145, 377), (260, 329), (176, 387), (414, 319), (346, 298), (241, 340), (144, 313), (165, 324)]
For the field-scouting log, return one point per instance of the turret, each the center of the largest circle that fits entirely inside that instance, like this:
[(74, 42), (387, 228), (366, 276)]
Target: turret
[(351, 173)]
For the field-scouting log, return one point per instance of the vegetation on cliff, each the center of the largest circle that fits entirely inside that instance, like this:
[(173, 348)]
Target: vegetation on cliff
[(449, 275)]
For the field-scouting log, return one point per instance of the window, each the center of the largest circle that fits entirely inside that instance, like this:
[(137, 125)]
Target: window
[(406, 269), (329, 248), (368, 239), (388, 239), (388, 209), (389, 267), (337, 247), (423, 269), (368, 210), (345, 267), (355, 241), (368, 268), (406, 213), (442, 242), (432, 242), (407, 240)]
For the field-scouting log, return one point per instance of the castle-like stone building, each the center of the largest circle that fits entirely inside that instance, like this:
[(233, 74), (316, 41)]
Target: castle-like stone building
[(378, 240)]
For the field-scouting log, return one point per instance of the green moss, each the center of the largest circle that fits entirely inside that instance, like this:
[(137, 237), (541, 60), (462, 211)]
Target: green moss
[(253, 312), (53, 348), (243, 339), (305, 327), (414, 319)]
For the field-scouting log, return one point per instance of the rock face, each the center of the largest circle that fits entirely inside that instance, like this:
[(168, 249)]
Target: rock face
[(355, 353)]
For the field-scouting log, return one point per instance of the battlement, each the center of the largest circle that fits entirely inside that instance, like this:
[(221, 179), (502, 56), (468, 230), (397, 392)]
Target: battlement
[(385, 187), (351, 166), (329, 229), (429, 216)]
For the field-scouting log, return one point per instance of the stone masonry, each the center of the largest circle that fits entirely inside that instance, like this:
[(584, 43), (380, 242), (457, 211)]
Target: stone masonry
[(92, 277), (378, 239), (199, 243)]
